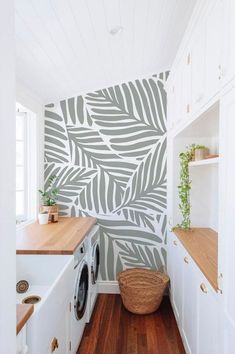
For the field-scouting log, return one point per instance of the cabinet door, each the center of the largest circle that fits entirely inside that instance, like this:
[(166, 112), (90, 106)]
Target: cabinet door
[(189, 320), (177, 283), (170, 262), (198, 66), (227, 220), (60, 335), (228, 66), (213, 37), (21, 346), (185, 85), (171, 106), (208, 316)]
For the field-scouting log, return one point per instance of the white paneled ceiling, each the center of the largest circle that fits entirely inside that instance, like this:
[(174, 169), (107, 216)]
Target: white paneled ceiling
[(64, 47)]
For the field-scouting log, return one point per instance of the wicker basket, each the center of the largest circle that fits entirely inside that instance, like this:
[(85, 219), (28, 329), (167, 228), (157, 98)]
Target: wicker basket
[(142, 289)]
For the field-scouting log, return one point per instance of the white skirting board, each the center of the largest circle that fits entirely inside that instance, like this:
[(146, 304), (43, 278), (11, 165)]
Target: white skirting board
[(108, 287)]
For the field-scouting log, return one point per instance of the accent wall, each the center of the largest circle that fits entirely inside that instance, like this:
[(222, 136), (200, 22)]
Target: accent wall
[(108, 149)]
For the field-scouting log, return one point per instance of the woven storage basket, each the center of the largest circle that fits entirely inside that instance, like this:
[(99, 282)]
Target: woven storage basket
[(142, 289)]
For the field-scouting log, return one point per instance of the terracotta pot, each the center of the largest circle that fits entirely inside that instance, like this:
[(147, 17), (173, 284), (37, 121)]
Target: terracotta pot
[(53, 209)]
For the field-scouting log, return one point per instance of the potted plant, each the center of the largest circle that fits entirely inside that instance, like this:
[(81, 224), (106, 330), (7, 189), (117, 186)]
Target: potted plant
[(49, 198), (200, 152)]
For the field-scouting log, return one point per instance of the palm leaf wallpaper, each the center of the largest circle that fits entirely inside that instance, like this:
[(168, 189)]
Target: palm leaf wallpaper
[(108, 149)]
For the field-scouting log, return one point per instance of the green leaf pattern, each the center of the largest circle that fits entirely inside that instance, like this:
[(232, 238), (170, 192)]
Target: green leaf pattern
[(108, 149)]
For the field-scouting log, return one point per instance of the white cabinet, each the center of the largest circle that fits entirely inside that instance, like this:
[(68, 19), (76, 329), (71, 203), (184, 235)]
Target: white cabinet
[(21, 345), (213, 37), (177, 280), (170, 106), (227, 225), (228, 67), (60, 335), (195, 79), (185, 85), (196, 304), (198, 66), (208, 317), (189, 316)]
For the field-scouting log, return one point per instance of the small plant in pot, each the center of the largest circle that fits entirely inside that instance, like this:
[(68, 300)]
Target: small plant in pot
[(49, 198), (200, 152)]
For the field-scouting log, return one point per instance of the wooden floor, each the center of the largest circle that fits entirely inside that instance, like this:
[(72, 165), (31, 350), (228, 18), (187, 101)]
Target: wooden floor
[(114, 330)]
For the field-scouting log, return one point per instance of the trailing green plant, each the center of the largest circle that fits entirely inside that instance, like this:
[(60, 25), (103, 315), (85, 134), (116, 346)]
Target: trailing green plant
[(50, 196), (185, 186)]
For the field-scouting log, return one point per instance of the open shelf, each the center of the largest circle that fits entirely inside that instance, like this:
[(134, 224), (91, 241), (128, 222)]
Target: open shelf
[(214, 160), (202, 245)]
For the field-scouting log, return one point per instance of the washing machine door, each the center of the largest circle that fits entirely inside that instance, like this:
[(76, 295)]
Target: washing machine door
[(95, 263), (81, 291)]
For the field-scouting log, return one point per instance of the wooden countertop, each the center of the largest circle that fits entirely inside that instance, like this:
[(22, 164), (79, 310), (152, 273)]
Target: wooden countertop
[(202, 245), (54, 238), (23, 313)]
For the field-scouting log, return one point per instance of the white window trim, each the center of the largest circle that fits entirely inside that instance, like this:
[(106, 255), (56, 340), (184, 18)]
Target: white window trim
[(31, 178), (22, 217)]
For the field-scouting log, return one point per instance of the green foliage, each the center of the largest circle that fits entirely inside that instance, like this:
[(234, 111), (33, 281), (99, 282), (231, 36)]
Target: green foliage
[(185, 186), (50, 196), (198, 147)]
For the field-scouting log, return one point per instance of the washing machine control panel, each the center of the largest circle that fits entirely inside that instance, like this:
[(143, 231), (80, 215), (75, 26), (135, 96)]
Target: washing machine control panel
[(80, 253)]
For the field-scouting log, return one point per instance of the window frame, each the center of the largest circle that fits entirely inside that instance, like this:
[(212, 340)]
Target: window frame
[(30, 167), (22, 217)]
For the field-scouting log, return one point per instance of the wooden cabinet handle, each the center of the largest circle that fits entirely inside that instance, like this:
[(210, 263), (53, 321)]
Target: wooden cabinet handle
[(175, 243), (203, 288), (54, 344), (186, 260)]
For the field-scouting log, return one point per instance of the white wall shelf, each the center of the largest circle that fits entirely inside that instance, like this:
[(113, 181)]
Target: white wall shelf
[(214, 160)]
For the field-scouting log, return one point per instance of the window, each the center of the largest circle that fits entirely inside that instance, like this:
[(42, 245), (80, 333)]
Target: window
[(21, 166), (26, 157)]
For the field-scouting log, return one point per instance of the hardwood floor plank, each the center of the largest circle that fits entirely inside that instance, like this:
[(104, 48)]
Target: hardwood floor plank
[(114, 330)]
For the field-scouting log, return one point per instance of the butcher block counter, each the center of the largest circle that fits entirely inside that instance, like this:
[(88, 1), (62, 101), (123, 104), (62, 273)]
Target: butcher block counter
[(23, 313), (62, 237)]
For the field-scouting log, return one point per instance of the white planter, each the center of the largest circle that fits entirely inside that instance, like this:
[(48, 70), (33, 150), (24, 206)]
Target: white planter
[(43, 219)]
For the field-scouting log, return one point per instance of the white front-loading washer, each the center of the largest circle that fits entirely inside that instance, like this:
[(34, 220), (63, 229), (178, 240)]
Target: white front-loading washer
[(80, 298), (94, 266)]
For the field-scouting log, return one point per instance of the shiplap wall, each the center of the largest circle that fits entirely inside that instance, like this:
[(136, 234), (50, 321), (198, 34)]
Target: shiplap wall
[(64, 48)]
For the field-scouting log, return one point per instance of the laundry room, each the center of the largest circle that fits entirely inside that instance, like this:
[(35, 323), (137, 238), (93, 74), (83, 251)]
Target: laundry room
[(117, 187)]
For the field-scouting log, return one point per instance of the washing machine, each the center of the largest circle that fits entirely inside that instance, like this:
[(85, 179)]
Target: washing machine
[(80, 298), (94, 266)]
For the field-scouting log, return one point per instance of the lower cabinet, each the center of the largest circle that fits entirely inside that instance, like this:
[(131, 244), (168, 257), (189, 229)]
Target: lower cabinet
[(189, 307), (208, 318), (21, 345), (174, 262), (59, 340), (195, 303)]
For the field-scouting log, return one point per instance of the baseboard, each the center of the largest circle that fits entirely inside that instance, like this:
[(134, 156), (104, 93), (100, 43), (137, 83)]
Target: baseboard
[(108, 287)]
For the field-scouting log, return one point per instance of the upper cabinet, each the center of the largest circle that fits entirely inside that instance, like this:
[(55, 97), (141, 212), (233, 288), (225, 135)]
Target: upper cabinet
[(198, 66), (213, 37), (196, 75), (185, 83), (228, 67)]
